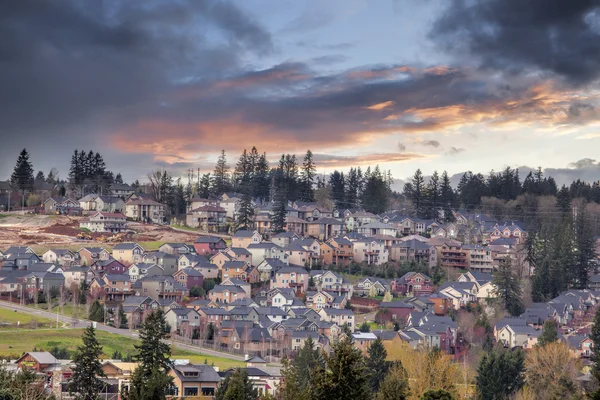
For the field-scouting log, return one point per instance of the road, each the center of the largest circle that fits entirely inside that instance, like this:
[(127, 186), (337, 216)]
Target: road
[(73, 324)]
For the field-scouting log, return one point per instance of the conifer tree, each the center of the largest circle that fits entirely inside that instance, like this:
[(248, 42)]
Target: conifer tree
[(416, 193), (377, 364), (86, 382), (500, 374), (344, 377), (395, 385), (508, 288), (585, 250), (220, 177), (447, 197), (432, 197), (237, 386), (307, 177), (595, 358), (149, 380), (260, 179), (22, 176), (549, 333)]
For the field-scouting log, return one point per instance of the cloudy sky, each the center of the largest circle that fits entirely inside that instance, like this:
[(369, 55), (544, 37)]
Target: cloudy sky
[(406, 84)]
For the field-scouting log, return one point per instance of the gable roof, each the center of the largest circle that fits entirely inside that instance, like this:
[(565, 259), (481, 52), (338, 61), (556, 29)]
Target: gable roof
[(244, 233)]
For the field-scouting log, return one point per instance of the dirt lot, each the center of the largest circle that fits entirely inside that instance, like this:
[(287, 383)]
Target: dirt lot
[(56, 230)]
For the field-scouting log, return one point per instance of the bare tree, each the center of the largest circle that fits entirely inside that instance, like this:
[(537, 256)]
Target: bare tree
[(48, 299), (160, 183)]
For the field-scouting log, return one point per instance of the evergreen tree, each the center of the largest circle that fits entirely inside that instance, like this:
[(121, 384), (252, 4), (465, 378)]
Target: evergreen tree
[(22, 176), (584, 251), (500, 374), (338, 190), (307, 177), (432, 197), (446, 197), (344, 377), (237, 386), (376, 194), (122, 318), (204, 189), (297, 373), (96, 312), (40, 177), (416, 193), (260, 179), (376, 363), (246, 209), (278, 215), (549, 333), (595, 358), (243, 172), (395, 385), (508, 288), (353, 188), (220, 177), (119, 178), (150, 381), (86, 382)]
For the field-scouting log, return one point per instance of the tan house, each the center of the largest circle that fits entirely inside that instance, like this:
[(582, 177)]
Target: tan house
[(104, 222), (226, 294), (145, 210), (63, 257), (119, 371), (290, 277), (337, 251), (339, 317), (89, 255), (77, 275), (244, 238), (193, 381), (128, 253), (325, 228)]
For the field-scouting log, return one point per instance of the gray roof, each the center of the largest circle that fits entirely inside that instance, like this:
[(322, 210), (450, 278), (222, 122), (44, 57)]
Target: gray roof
[(125, 246), (229, 288), (243, 233), (208, 239), (395, 304), (206, 373), (297, 270), (43, 357)]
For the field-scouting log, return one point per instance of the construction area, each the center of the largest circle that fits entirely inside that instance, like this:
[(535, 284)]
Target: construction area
[(61, 230)]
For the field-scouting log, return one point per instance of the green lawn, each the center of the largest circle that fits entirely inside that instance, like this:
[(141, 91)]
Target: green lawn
[(9, 320), (151, 246), (15, 343)]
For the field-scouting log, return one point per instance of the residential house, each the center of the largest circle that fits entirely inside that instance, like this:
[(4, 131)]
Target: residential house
[(183, 321), (63, 257), (377, 228), (109, 204), (226, 293), (362, 340), (209, 218), (209, 245), (297, 254), (189, 277), (397, 311), (220, 259), (143, 209), (452, 255), (479, 258), (339, 317), (268, 267), (214, 316), (325, 228), (128, 253), (112, 288), (75, 276), (231, 207), (412, 284), (121, 190), (370, 251), (193, 381), (580, 346), (313, 247), (337, 251), (118, 371), (161, 287), (359, 218), (104, 222), (110, 266), (461, 293), (238, 282), (191, 260), (142, 270), (234, 269), (485, 287), (167, 261), (283, 239), (332, 282), (20, 261), (239, 254), (365, 285), (295, 225), (513, 335), (176, 248), (244, 238), (322, 299), (60, 205), (263, 250), (290, 277), (414, 250), (89, 255)]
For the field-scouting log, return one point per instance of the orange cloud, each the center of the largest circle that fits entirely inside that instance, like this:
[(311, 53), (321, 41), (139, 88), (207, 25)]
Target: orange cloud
[(380, 106)]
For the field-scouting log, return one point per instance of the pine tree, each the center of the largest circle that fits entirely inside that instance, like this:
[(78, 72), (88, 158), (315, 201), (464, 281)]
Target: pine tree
[(500, 374), (260, 180), (307, 177), (22, 176), (585, 250), (338, 190), (123, 323), (204, 190), (376, 363), (376, 195), (150, 381), (508, 288), (447, 197), (119, 178), (96, 312), (595, 358), (278, 215), (549, 333), (439, 394), (353, 188), (344, 377), (416, 193), (237, 386), (246, 210), (432, 197), (86, 382), (243, 172), (220, 178)]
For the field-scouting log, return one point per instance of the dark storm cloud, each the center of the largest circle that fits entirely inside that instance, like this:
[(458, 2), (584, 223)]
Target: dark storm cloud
[(70, 70), (561, 37)]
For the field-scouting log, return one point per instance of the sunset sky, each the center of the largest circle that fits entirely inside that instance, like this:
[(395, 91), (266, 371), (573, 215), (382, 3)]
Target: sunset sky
[(406, 84)]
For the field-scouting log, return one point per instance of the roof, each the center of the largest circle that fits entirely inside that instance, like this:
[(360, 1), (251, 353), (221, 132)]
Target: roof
[(336, 311), (288, 270), (208, 239), (42, 357), (118, 278), (413, 244), (227, 288), (394, 304), (126, 246), (206, 373), (209, 208), (377, 225), (327, 221), (240, 251), (263, 245), (243, 233), (191, 272), (145, 201)]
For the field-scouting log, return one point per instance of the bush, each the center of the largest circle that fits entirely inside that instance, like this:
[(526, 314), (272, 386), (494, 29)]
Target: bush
[(33, 200)]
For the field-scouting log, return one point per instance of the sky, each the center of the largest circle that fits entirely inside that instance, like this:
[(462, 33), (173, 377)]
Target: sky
[(450, 85)]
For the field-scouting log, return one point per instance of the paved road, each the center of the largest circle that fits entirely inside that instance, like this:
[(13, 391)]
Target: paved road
[(63, 320)]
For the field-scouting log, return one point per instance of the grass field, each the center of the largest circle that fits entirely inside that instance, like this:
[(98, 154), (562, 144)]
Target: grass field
[(9, 320), (15, 342), (67, 309)]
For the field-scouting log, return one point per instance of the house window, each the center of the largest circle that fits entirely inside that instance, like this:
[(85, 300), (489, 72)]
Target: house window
[(190, 391)]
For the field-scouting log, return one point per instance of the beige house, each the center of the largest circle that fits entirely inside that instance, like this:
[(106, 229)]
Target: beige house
[(339, 317), (128, 253), (89, 255), (145, 210), (244, 238), (290, 277), (370, 251), (104, 222), (517, 336)]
